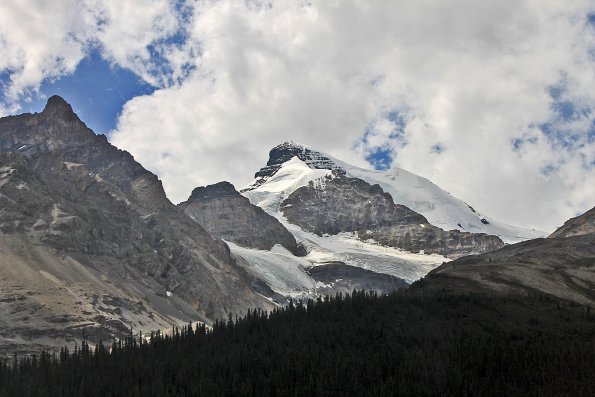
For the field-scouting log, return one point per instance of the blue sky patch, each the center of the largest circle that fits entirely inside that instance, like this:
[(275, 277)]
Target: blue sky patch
[(380, 158), (96, 90), (566, 110)]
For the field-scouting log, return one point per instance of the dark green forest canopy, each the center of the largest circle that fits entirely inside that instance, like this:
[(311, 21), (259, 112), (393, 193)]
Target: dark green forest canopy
[(363, 344)]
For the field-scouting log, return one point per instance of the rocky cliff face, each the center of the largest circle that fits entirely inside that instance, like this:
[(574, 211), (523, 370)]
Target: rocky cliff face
[(341, 204), (285, 152), (83, 215), (223, 212)]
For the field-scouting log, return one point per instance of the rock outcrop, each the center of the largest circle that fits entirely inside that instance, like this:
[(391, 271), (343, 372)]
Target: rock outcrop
[(338, 277), (225, 213), (341, 204)]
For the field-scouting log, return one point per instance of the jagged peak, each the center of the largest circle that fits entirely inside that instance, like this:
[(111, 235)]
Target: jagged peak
[(291, 144), (56, 105), (217, 190), (285, 152)]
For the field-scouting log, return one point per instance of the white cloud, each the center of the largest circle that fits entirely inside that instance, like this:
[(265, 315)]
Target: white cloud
[(42, 40), (470, 77), (129, 30)]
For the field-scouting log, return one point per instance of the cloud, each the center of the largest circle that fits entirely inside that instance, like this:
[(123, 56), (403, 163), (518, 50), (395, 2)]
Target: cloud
[(467, 77), (34, 44), (492, 101), (41, 40)]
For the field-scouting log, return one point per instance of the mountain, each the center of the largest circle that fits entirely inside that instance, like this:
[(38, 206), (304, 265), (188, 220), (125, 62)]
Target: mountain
[(225, 213), (269, 252), (416, 193), (91, 247), (90, 244), (562, 265), (350, 233), (578, 226), (341, 204), (341, 218)]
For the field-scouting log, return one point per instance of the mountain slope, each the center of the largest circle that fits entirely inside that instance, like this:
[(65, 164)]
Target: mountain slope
[(267, 250), (340, 204), (580, 225), (224, 213), (343, 247), (560, 266), (417, 193), (310, 190), (84, 215)]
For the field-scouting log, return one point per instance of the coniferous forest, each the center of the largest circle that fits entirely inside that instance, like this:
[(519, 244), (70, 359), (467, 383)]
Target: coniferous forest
[(403, 344)]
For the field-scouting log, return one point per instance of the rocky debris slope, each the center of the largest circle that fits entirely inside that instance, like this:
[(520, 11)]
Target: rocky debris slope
[(225, 213), (418, 194), (83, 214), (338, 204), (562, 266)]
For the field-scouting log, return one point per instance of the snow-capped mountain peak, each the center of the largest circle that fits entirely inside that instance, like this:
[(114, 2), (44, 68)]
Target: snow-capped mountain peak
[(291, 163), (269, 191), (284, 153)]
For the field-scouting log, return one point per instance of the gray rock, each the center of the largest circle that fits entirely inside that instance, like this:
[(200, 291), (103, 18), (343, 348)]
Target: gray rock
[(223, 212), (562, 267), (339, 277), (79, 216), (351, 205)]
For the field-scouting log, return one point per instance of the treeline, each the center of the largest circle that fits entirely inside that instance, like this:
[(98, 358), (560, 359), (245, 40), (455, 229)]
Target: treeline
[(356, 345)]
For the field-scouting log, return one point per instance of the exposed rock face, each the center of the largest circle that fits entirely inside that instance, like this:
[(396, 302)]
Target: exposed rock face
[(84, 215), (225, 213), (341, 204), (580, 225), (339, 277), (420, 195), (285, 152)]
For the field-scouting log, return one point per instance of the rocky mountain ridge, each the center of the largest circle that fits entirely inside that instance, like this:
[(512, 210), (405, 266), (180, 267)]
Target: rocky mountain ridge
[(577, 226), (562, 265), (88, 223), (341, 204)]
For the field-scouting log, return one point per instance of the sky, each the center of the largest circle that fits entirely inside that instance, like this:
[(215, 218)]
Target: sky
[(492, 101)]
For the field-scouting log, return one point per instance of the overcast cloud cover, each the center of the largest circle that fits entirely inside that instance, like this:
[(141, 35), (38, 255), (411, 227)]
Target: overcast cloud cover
[(492, 100)]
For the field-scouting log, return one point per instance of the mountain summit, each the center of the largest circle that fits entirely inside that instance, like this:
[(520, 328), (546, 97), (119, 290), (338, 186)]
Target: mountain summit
[(419, 194), (57, 106)]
